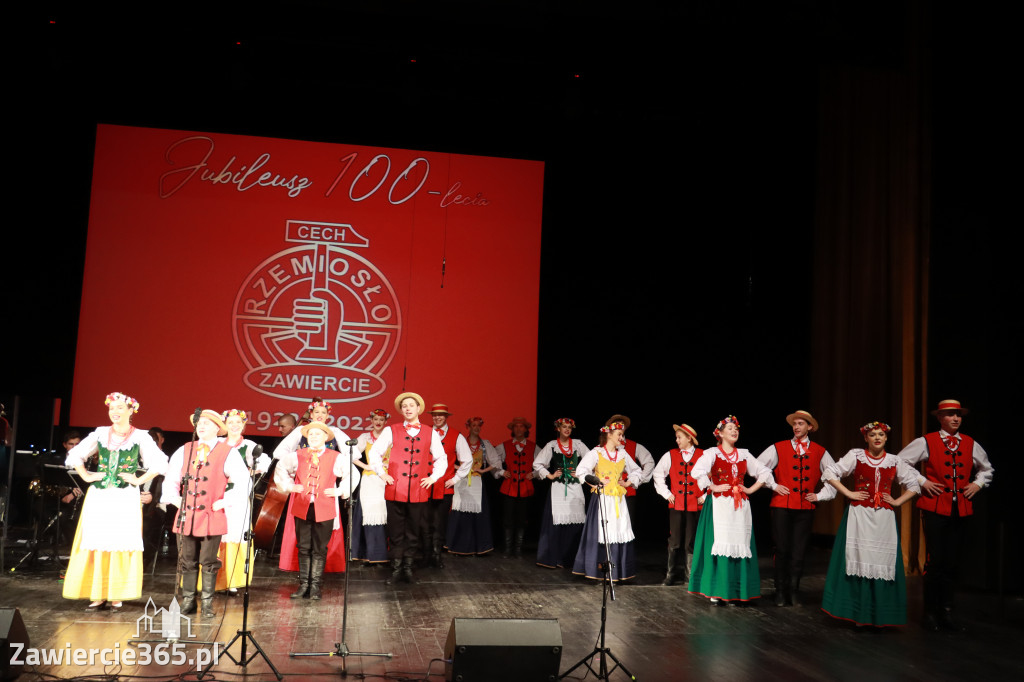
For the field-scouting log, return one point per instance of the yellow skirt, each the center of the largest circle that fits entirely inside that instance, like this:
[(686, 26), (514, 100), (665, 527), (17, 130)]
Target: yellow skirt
[(95, 574), (232, 568)]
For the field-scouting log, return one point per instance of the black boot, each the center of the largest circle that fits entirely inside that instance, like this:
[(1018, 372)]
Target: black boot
[(396, 572), (508, 543), (519, 543), (188, 591), (947, 622), (316, 574), (438, 551), (670, 573), (407, 564), (794, 591), (303, 577), (209, 587)]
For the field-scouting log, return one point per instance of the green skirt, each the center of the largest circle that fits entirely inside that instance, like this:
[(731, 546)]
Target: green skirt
[(865, 601), (719, 576)]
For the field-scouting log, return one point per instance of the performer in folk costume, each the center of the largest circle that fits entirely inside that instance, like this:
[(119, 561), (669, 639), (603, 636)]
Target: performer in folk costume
[(106, 555), (685, 499), (234, 546), (564, 510), (724, 552), (310, 474), (639, 454), (416, 462), (516, 468), (369, 512), (956, 468), (469, 524), (607, 461), (441, 494), (797, 465), (320, 411), (197, 484), (865, 582)]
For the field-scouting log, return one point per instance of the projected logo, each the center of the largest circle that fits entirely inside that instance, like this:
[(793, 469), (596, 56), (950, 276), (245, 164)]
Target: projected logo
[(317, 318)]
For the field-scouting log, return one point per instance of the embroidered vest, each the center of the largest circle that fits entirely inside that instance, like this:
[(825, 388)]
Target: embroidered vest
[(409, 463), (800, 473), (241, 451), (206, 486), (520, 466), (682, 485), (559, 460), (113, 463), (438, 491), (864, 480), (721, 472), (366, 458), (952, 469), (610, 474), (315, 478)]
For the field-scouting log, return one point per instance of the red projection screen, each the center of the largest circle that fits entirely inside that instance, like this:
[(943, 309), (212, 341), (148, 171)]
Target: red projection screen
[(225, 271)]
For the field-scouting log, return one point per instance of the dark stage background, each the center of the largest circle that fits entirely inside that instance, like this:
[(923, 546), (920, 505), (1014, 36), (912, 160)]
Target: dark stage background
[(750, 207)]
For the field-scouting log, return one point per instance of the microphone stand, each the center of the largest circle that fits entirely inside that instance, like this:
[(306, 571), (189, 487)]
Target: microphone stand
[(245, 634), (607, 585), (341, 648)]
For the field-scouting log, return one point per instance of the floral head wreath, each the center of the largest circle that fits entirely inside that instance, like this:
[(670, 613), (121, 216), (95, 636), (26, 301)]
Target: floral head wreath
[(319, 403), (731, 419), (871, 426), (236, 413), (373, 413), (116, 397), (469, 422), (614, 426), (565, 420)]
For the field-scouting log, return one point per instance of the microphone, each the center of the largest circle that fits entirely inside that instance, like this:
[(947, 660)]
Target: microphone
[(195, 416), (593, 480), (352, 441), (256, 452)]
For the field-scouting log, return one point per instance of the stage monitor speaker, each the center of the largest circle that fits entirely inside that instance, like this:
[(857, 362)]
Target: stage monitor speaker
[(12, 631), (499, 649)]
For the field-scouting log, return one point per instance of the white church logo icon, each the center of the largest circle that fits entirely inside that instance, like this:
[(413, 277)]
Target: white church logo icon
[(163, 622)]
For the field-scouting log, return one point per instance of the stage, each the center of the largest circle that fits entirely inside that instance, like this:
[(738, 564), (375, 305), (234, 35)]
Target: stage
[(659, 633)]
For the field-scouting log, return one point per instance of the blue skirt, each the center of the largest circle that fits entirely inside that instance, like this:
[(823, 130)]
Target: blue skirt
[(558, 544), (591, 552), (369, 543), (469, 532)]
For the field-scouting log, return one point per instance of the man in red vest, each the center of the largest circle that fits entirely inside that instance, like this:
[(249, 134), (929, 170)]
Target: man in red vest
[(310, 474), (416, 462), (197, 480), (516, 456), (639, 454), (797, 466), (440, 495), (955, 469)]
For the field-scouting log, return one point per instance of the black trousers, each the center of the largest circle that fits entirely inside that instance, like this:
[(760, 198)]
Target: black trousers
[(197, 550), (515, 512), (943, 536), (405, 521), (312, 536), (437, 520), (791, 529), (682, 527)]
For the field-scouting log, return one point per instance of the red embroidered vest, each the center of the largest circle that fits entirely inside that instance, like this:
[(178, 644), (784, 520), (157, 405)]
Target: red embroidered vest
[(800, 473), (952, 469), (630, 446), (438, 491), (682, 484), (721, 472), (206, 486), (409, 464), (520, 466), (319, 478), (864, 481)]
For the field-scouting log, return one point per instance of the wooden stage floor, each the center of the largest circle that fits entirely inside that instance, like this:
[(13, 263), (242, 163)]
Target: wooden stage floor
[(659, 633)]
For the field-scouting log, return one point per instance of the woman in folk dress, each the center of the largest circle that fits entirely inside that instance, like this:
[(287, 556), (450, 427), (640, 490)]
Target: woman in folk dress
[(724, 554), (469, 522), (865, 582), (106, 556), (607, 461), (564, 509), (369, 511)]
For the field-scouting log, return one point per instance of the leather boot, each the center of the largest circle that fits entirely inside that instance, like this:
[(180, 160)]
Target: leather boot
[(209, 587), (396, 572), (407, 564), (316, 574), (670, 573), (188, 591), (781, 586), (438, 551), (519, 543), (303, 589), (689, 565), (794, 591), (508, 543)]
